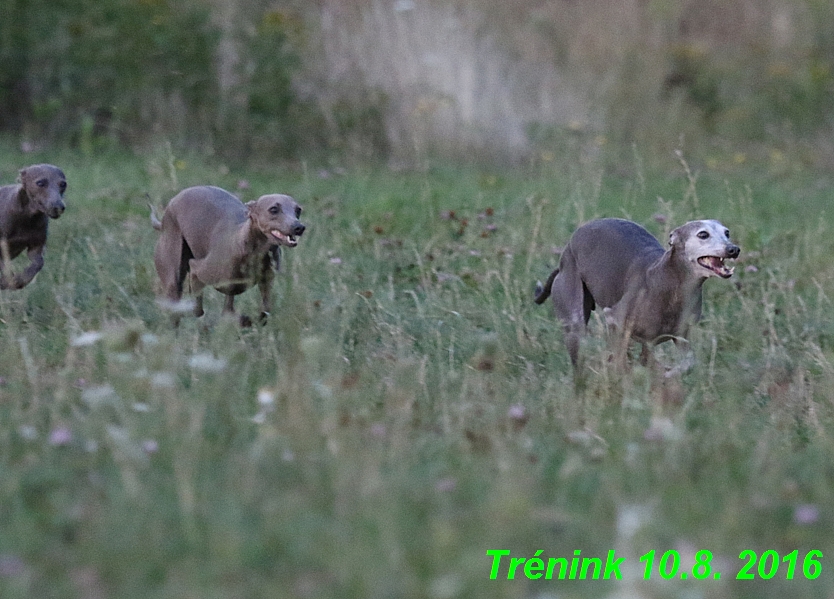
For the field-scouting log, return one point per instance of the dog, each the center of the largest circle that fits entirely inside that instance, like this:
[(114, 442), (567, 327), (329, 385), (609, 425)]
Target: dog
[(210, 234), (25, 210), (650, 294)]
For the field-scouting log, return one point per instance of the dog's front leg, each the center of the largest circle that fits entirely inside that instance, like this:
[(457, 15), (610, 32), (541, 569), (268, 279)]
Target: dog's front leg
[(687, 360), (7, 281), (229, 308), (35, 256), (275, 252), (229, 305), (267, 275)]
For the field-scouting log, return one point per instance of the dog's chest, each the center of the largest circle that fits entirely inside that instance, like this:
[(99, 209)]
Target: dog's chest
[(247, 272), (652, 314), (675, 314), (24, 233), (252, 264)]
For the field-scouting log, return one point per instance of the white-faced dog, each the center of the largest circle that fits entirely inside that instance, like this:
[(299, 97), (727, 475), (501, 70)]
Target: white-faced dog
[(651, 294)]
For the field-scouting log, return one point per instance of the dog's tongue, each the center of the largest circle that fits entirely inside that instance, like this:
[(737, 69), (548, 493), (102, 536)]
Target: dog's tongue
[(287, 239), (716, 265)]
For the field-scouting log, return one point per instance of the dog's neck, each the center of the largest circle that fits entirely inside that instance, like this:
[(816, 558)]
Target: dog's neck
[(25, 202), (250, 238), (672, 276), (672, 295)]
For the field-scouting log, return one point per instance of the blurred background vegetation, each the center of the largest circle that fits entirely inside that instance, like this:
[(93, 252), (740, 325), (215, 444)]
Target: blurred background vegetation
[(404, 80)]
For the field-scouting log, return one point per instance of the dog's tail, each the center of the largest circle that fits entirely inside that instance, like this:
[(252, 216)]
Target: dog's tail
[(155, 222), (543, 291)]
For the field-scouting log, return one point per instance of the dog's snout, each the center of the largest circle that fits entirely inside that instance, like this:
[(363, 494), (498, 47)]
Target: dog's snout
[(298, 229), (733, 251), (56, 209)]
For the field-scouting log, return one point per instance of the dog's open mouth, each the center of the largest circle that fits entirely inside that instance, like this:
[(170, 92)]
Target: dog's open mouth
[(716, 265), (288, 240)]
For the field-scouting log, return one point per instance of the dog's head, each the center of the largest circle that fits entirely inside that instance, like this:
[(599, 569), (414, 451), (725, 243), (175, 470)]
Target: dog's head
[(42, 189), (704, 245), (276, 216)]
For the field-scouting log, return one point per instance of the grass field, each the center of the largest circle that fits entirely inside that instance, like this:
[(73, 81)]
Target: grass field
[(407, 407)]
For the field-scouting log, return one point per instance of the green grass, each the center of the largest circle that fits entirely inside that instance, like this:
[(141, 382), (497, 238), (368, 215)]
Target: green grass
[(388, 451)]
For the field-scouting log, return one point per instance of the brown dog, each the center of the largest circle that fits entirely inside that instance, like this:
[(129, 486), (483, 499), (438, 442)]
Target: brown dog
[(25, 210), (223, 243)]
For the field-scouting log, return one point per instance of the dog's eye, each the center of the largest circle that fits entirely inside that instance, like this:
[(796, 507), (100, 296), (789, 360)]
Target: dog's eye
[(62, 186), (41, 182), (274, 210), (703, 235), (297, 211), (727, 233)]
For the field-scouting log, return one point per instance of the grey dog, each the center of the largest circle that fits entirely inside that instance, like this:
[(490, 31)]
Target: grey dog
[(650, 294), (25, 210), (223, 243)]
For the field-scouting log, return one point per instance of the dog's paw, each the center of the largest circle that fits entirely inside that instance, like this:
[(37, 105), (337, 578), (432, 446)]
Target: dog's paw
[(610, 318), (682, 367), (12, 283)]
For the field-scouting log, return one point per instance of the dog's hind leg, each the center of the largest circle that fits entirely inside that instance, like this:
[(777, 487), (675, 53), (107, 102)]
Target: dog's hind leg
[(171, 264), (572, 307)]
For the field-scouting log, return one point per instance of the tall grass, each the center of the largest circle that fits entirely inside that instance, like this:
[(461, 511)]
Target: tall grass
[(403, 81), (407, 407), (522, 80)]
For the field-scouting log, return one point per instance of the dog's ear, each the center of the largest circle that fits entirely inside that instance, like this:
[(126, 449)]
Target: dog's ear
[(251, 208), (23, 197), (678, 236), (252, 212)]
